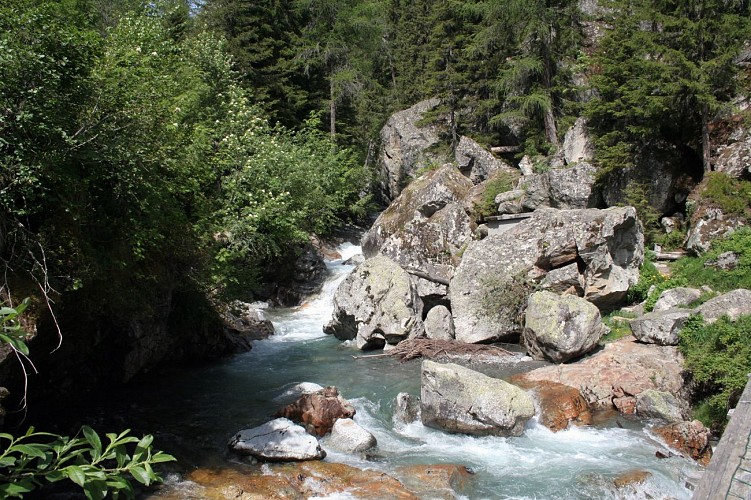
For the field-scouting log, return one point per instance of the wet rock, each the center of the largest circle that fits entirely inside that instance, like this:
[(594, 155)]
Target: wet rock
[(660, 327), (616, 375), (377, 303), (405, 147), (457, 399), (303, 278), (662, 405), (558, 328), (491, 284), (437, 482), (577, 145), (476, 162), (732, 304), (676, 297), (277, 440), (560, 405), (691, 438), (406, 408), (297, 390), (243, 319), (631, 478), (297, 481), (348, 437), (318, 411), (438, 324)]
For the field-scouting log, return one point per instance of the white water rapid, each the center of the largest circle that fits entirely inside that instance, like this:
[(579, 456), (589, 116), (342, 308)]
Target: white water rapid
[(210, 405)]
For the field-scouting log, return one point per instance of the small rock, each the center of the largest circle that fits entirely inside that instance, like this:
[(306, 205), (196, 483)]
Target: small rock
[(406, 408), (438, 324), (277, 440), (296, 391), (348, 437), (691, 438), (318, 411), (727, 261), (631, 478)]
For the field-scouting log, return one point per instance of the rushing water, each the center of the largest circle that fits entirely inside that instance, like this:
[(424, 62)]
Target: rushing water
[(196, 413)]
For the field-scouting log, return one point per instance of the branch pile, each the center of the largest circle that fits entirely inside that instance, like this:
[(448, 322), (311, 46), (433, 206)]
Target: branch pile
[(431, 349)]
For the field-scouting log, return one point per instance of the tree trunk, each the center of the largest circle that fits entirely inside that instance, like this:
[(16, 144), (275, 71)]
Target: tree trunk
[(706, 151), (332, 110), (551, 132)]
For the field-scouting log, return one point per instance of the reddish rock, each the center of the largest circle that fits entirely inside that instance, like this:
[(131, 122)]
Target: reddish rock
[(631, 478), (318, 411), (288, 481), (560, 405), (691, 438), (443, 481), (617, 374)]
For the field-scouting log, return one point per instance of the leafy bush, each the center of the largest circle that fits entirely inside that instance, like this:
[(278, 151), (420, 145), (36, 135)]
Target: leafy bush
[(694, 272), (37, 459), (501, 183), (733, 196), (719, 356), (648, 276)]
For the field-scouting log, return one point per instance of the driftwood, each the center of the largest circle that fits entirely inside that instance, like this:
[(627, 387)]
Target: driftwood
[(669, 255), (505, 149), (426, 276), (429, 348)]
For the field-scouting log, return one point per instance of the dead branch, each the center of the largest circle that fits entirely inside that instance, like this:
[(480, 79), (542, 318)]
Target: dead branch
[(431, 348)]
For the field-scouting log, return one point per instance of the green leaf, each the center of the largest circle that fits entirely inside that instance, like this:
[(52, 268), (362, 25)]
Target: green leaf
[(159, 457), (140, 475), (16, 489), (75, 474), (29, 450), (93, 439), (95, 490), (7, 461)]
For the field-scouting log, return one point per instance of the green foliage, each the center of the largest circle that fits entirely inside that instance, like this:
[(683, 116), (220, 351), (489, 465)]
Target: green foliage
[(11, 332), (506, 297), (719, 356), (695, 272), (731, 195), (499, 184), (649, 276), (37, 459), (618, 323), (637, 196)]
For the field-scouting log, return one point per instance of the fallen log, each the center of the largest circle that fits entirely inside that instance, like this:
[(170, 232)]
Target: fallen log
[(426, 276), (433, 348), (505, 149)]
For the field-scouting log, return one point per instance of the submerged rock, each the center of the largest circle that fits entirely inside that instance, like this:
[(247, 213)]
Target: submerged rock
[(277, 440), (457, 399), (348, 437), (560, 327), (377, 303), (436, 482), (318, 411)]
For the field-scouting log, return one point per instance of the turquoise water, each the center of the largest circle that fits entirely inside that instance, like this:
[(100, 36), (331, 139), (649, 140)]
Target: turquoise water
[(194, 414)]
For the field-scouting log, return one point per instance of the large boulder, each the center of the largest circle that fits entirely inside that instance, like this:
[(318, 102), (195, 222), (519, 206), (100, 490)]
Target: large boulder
[(318, 411), (457, 399), (734, 159), (666, 173), (660, 327), (348, 437), (496, 275), (278, 440), (405, 147), (662, 405), (244, 319), (732, 304), (426, 226), (377, 303), (676, 297), (619, 373), (709, 224), (476, 162), (567, 188), (558, 328)]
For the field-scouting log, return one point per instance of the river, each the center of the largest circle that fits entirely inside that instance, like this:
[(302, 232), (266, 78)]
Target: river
[(193, 414)]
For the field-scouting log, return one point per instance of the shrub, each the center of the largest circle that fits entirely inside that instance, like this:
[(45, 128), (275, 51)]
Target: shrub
[(719, 356), (731, 195)]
